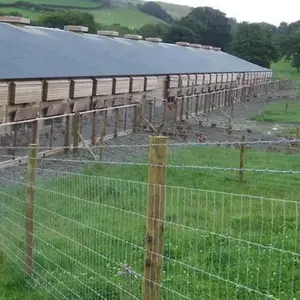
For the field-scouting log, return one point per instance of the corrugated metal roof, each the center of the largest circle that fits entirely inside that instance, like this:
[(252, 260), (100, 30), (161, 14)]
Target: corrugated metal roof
[(35, 52)]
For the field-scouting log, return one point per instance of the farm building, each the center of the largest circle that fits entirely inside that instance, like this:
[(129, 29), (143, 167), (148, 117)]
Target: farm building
[(49, 72), (42, 65)]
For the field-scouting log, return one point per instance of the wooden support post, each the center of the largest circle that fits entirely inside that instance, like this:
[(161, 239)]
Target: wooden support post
[(15, 129), (125, 118), (68, 133), (117, 122), (51, 134), (150, 118), (155, 218), (30, 197), (242, 154), (182, 100), (166, 109), (35, 132), (187, 106), (94, 129), (149, 124), (197, 105), (134, 120), (75, 130), (103, 133)]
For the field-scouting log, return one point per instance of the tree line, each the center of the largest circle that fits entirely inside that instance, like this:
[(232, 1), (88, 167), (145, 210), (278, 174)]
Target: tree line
[(259, 43)]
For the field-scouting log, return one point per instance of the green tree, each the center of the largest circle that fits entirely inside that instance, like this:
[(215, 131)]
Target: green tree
[(180, 33), (154, 9), (251, 42), (117, 27), (291, 48), (154, 30), (61, 18), (211, 25)]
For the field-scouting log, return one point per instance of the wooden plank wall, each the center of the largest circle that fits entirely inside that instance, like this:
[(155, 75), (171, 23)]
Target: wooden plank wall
[(20, 100)]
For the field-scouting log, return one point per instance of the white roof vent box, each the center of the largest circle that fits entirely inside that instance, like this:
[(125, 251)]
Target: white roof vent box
[(153, 39), (185, 44), (216, 48), (206, 47), (14, 20), (108, 33), (195, 45), (133, 37), (76, 28)]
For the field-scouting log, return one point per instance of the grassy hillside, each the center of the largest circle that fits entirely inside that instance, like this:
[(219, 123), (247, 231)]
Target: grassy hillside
[(128, 17), (125, 16), (284, 70), (83, 3), (175, 10)]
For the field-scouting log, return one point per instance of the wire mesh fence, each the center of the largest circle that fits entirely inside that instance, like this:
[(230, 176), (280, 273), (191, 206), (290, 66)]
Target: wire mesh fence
[(131, 227)]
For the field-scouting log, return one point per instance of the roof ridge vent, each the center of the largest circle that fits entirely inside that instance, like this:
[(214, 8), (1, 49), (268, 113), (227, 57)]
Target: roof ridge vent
[(195, 45), (133, 37), (206, 47), (108, 33), (216, 48), (185, 44), (76, 28), (153, 39), (14, 20)]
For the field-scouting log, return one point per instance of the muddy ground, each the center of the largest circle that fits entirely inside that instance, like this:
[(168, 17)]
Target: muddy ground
[(128, 148)]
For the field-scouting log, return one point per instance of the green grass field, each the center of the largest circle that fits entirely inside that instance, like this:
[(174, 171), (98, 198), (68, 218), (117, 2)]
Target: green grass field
[(128, 17), (79, 3), (217, 245), (284, 70), (131, 18), (283, 112)]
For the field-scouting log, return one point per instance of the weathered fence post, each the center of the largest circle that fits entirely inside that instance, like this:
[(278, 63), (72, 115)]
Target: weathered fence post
[(35, 132), (30, 197), (75, 130), (155, 217), (68, 133), (117, 121), (103, 133), (242, 155), (94, 128)]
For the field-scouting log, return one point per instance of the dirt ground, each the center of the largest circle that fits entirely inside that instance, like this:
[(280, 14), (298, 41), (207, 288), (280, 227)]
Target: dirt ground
[(215, 123), (127, 149)]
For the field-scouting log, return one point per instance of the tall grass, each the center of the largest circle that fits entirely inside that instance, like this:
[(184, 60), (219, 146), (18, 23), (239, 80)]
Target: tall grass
[(88, 225)]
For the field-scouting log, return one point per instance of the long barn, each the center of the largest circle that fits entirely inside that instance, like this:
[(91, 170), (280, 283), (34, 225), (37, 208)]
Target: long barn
[(42, 67)]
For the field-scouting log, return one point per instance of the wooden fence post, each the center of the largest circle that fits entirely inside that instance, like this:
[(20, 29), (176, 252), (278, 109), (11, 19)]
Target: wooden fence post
[(117, 121), (155, 217), (242, 155), (75, 130), (94, 129), (68, 133), (35, 132), (30, 197), (103, 133)]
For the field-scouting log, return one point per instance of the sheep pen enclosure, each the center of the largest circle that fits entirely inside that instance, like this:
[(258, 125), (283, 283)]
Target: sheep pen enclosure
[(225, 195)]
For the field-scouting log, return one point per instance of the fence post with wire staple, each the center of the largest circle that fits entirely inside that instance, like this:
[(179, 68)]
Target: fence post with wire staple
[(30, 197), (155, 218), (242, 155)]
